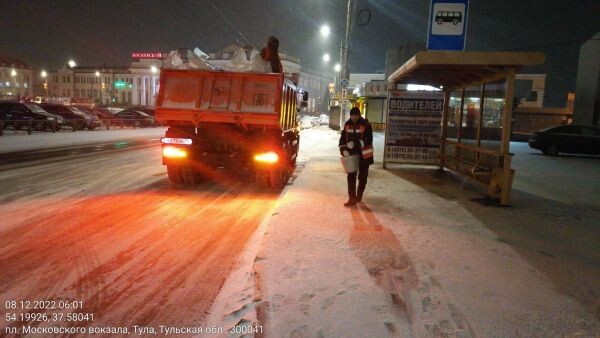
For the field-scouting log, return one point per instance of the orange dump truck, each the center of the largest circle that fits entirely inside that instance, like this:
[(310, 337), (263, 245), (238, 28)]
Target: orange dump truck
[(228, 122)]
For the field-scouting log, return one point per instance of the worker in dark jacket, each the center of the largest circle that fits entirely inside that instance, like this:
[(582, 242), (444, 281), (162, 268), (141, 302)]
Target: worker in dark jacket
[(270, 54), (357, 139)]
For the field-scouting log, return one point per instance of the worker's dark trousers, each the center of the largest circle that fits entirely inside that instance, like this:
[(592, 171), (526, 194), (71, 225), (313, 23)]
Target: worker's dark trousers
[(363, 173)]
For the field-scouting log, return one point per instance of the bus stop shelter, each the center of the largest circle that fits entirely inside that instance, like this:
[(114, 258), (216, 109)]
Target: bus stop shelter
[(476, 141)]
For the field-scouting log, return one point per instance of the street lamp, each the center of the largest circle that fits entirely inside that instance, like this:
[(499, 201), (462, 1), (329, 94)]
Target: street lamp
[(97, 74), (325, 31), (153, 69), (13, 75), (326, 57), (45, 77), (337, 67), (72, 64)]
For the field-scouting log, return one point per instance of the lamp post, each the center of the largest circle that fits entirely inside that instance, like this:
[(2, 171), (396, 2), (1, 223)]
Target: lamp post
[(97, 79), (72, 64), (13, 75), (45, 77), (154, 71)]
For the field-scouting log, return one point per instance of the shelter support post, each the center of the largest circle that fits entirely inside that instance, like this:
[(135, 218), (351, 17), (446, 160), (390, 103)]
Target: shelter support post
[(480, 122), (507, 173), (444, 134), (460, 122)]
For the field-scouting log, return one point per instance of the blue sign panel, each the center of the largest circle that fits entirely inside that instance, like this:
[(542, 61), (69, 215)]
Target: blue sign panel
[(448, 25)]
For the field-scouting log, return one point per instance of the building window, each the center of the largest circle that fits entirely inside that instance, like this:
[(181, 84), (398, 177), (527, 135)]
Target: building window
[(95, 93)]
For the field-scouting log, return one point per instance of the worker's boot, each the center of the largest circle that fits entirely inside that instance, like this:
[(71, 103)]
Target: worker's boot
[(351, 202), (359, 194), (351, 191)]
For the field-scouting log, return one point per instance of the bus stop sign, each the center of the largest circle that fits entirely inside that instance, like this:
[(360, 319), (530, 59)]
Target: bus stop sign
[(448, 25)]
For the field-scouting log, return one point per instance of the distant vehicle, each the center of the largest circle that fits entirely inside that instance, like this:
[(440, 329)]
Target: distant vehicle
[(444, 16), (18, 115), (103, 113), (135, 118), (574, 139), (323, 119), (306, 122), (145, 109), (93, 121), (73, 117)]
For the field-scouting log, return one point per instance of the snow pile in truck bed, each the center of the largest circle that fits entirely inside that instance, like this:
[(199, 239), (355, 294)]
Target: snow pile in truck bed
[(187, 59)]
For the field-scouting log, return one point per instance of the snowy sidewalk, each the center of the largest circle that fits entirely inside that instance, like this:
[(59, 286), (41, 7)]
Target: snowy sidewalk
[(418, 259), (408, 263), (13, 142)]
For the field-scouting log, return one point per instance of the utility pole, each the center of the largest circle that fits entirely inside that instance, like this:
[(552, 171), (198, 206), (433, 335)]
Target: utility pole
[(345, 71), (345, 68)]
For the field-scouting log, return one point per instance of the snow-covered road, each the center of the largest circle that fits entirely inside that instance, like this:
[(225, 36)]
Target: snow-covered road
[(420, 258), (110, 231)]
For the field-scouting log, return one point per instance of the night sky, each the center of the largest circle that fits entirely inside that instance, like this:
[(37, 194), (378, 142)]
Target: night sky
[(48, 33)]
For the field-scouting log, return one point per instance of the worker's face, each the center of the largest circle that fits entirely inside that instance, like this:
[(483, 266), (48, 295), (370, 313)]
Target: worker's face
[(354, 118)]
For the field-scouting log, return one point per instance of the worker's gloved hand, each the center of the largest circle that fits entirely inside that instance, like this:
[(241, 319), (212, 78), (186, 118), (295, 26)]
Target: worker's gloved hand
[(350, 145)]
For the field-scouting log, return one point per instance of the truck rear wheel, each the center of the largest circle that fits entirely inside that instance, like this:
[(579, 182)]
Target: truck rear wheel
[(190, 176), (276, 179), (174, 173)]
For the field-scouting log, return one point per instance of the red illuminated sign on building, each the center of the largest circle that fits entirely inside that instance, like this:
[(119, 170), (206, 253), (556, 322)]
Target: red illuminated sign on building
[(146, 55)]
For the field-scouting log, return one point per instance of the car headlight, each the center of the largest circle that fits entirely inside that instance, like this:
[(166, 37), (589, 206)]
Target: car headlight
[(50, 118)]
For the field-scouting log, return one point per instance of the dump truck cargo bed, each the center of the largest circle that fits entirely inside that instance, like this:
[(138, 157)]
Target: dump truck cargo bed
[(196, 97)]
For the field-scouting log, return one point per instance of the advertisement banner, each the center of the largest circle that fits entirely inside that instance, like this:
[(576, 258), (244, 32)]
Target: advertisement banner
[(413, 127)]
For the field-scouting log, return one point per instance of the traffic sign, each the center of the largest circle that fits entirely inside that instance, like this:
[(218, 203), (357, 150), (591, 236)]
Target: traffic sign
[(344, 93), (448, 25), (344, 83)]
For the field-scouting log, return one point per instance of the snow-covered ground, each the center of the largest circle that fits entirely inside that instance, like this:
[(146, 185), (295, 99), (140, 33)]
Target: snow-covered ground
[(12, 142), (420, 258)]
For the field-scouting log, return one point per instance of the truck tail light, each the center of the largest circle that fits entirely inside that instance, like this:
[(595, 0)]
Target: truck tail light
[(174, 152), (269, 157)]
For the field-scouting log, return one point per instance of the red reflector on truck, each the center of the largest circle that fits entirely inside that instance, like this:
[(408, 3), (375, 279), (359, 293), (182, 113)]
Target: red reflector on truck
[(270, 157), (173, 140), (173, 152)]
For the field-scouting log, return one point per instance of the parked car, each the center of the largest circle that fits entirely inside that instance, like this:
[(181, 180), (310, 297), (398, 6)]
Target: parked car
[(18, 115), (575, 139), (148, 110), (104, 114), (93, 121), (73, 117), (135, 118)]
